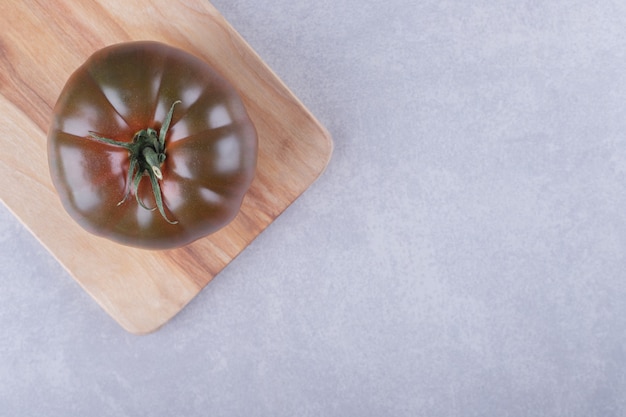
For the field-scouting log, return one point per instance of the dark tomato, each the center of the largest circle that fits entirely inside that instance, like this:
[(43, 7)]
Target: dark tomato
[(150, 147)]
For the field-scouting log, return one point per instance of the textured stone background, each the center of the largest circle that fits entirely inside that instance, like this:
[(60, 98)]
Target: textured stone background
[(463, 254)]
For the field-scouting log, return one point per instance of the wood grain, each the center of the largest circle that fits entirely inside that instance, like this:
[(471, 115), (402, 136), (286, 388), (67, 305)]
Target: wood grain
[(41, 44)]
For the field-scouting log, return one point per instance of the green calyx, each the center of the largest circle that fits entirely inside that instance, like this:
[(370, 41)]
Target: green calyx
[(146, 156)]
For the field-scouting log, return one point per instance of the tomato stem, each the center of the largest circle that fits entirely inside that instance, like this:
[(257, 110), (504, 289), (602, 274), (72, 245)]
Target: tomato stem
[(146, 156)]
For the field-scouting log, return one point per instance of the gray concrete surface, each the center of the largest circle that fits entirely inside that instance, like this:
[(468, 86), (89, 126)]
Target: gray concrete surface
[(463, 254)]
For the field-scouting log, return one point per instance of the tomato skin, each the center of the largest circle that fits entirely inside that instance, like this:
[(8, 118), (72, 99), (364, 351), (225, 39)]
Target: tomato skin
[(210, 147)]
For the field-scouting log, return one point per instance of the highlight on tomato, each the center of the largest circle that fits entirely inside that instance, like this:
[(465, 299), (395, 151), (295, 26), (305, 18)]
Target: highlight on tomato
[(150, 147)]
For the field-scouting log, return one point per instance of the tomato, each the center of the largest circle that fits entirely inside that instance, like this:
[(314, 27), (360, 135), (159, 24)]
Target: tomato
[(150, 147)]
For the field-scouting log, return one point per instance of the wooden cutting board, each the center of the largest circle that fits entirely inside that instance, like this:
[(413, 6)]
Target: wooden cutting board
[(41, 43)]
